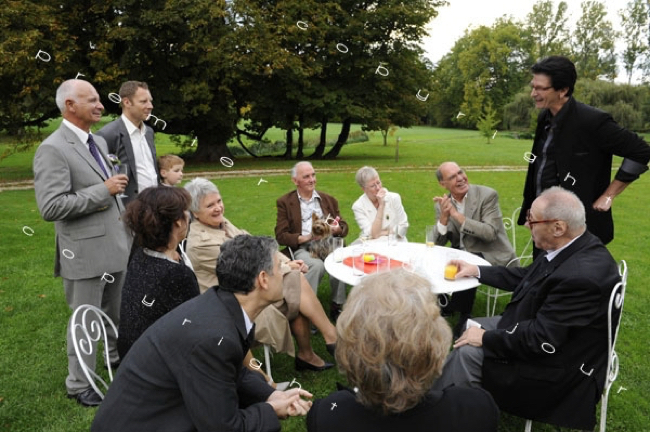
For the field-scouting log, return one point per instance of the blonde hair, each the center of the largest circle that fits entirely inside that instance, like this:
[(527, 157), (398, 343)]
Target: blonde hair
[(392, 341), (167, 162)]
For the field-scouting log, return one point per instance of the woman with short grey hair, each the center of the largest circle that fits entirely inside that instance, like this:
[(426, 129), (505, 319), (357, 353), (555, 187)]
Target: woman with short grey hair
[(378, 212)]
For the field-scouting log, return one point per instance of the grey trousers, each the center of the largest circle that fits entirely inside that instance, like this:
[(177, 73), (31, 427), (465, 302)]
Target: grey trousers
[(463, 367), (99, 292), (316, 273)]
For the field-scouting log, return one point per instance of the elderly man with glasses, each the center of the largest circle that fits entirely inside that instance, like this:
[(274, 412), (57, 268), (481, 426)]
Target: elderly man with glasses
[(545, 358), (469, 217)]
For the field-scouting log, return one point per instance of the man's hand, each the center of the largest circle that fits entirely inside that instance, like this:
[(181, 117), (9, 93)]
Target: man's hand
[(465, 269), (603, 203), (472, 336), (117, 184), (298, 265), (290, 402)]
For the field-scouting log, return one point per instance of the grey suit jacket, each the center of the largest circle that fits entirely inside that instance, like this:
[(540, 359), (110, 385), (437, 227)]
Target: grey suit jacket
[(483, 231), (90, 237), (119, 144)]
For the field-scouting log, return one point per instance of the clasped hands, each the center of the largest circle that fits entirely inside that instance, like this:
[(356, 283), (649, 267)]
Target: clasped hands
[(290, 403)]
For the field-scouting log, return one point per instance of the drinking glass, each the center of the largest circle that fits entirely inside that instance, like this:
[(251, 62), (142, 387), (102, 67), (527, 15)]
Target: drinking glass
[(121, 169), (430, 236)]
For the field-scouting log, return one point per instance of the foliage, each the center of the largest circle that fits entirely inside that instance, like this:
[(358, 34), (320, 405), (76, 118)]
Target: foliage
[(548, 29), (593, 43), (635, 35), (487, 122)]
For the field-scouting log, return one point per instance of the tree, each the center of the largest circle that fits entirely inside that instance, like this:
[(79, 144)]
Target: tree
[(486, 124), (593, 47), (635, 35), (493, 66), (548, 30), (36, 55)]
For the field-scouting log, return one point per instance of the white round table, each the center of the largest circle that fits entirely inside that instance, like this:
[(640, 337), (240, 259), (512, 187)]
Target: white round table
[(429, 262)]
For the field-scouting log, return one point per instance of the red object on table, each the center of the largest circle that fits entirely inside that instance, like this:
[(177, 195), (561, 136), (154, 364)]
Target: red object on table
[(379, 264)]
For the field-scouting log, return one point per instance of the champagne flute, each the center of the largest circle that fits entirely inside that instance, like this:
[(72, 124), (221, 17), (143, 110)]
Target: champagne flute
[(121, 169)]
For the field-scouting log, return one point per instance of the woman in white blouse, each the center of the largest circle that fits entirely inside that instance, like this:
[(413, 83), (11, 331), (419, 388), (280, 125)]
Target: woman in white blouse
[(378, 212)]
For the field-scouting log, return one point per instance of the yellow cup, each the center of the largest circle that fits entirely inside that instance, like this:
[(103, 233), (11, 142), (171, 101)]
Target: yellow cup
[(450, 272)]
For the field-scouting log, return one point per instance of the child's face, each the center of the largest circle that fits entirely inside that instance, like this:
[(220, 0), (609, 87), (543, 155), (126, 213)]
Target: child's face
[(172, 176)]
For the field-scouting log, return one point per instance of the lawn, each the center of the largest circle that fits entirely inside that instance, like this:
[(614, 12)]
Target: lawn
[(33, 312)]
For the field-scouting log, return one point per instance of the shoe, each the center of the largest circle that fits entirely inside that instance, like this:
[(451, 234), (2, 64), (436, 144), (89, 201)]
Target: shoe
[(303, 365), (331, 348), (335, 311), (87, 398)]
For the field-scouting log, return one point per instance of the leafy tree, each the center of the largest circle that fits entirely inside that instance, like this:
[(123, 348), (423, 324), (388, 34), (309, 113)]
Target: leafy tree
[(36, 55), (548, 30), (494, 66), (635, 35), (487, 122), (593, 47)]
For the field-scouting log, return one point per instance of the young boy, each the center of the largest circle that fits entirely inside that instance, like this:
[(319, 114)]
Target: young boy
[(171, 169)]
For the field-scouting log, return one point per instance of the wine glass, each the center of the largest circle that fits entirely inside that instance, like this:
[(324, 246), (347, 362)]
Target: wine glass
[(121, 169)]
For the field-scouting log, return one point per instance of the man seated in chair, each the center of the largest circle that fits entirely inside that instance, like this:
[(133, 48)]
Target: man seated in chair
[(545, 358), (185, 372), (469, 217)]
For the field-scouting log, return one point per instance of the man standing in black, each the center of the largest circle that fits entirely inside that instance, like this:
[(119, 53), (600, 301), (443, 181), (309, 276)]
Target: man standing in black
[(573, 148)]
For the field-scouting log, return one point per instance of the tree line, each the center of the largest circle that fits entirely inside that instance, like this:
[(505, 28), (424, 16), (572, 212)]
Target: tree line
[(227, 69)]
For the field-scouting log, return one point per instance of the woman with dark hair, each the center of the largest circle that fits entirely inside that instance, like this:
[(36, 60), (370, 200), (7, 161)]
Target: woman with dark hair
[(157, 279)]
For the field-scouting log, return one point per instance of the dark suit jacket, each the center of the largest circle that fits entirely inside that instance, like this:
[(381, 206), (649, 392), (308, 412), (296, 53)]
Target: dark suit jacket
[(547, 359), (70, 192), (185, 373), (483, 231), (455, 409), (288, 226), (119, 144), (584, 142)]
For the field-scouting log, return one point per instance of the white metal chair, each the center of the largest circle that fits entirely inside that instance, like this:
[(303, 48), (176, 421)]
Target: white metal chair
[(88, 326), (614, 315), (493, 294)]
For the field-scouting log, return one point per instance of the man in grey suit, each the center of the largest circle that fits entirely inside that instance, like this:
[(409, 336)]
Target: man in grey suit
[(469, 218), (75, 190), (131, 140), (185, 372)]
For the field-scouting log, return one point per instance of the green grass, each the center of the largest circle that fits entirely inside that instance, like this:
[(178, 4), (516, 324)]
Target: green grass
[(33, 312)]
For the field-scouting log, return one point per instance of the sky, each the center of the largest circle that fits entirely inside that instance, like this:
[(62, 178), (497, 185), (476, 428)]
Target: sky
[(452, 20)]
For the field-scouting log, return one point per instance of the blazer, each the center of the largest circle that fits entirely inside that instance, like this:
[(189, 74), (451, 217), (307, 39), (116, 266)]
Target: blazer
[(119, 143), (365, 213), (585, 139), (288, 226), (90, 237), (185, 373), (547, 359), (439, 411), (483, 231)]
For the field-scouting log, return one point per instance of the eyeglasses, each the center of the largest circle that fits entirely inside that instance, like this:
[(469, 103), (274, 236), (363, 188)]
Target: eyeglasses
[(531, 222), (538, 89)]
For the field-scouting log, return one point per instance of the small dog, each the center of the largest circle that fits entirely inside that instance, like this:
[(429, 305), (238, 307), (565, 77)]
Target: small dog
[(319, 246)]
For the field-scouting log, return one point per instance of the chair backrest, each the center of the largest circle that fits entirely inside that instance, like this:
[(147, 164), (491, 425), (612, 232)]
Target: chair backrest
[(614, 315), (87, 327), (510, 224)]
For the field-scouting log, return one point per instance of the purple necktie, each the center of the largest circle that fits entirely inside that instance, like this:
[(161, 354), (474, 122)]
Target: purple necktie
[(93, 151)]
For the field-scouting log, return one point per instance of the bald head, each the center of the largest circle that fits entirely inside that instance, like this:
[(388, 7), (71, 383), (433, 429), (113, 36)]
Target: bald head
[(79, 103), (564, 205)]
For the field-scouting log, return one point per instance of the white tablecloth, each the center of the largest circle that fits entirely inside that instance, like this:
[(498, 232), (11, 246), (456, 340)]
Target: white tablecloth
[(428, 262)]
